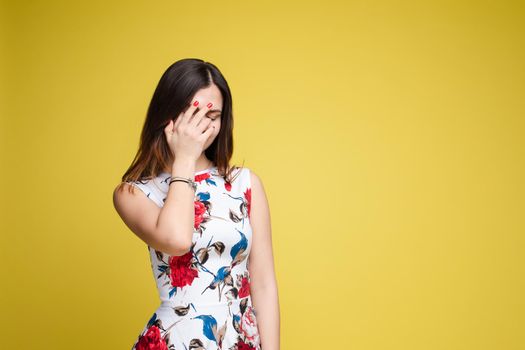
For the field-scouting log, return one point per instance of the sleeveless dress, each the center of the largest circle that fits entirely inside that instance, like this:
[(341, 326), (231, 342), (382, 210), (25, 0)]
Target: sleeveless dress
[(205, 300)]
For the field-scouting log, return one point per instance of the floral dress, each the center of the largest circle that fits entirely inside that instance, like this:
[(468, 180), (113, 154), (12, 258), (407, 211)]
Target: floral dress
[(204, 294)]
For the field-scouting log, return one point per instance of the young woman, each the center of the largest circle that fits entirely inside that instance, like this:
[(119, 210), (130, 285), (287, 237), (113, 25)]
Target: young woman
[(206, 223)]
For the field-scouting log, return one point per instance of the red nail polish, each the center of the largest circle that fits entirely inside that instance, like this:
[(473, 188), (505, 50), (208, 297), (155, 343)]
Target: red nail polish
[(196, 103), (209, 105)]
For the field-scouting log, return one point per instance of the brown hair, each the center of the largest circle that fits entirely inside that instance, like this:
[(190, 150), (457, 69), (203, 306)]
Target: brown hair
[(177, 86)]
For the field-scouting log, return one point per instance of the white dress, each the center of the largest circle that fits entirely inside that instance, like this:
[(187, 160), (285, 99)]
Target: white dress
[(204, 294)]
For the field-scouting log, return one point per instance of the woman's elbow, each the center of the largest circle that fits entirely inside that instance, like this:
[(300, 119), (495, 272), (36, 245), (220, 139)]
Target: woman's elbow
[(178, 246)]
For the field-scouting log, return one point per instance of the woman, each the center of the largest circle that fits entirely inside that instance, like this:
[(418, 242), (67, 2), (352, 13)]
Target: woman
[(206, 224)]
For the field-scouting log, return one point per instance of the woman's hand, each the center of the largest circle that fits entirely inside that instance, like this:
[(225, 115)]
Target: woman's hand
[(187, 136)]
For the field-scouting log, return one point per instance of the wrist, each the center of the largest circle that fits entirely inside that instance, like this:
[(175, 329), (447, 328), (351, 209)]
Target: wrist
[(184, 160), (190, 182), (184, 167)]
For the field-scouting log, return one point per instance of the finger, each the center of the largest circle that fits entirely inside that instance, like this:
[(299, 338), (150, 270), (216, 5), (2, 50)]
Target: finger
[(191, 109), (204, 123), (208, 132), (177, 122), (200, 114)]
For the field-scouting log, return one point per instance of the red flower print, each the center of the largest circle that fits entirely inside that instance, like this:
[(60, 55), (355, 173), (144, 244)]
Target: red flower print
[(243, 346), (200, 177), (151, 340), (228, 186), (248, 196), (249, 326), (200, 209), (181, 272), (244, 291)]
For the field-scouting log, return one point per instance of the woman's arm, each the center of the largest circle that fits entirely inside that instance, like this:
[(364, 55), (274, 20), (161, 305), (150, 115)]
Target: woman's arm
[(263, 286), (168, 228)]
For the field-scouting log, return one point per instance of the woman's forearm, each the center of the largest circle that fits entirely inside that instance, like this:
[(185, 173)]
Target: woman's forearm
[(266, 303), (177, 216)]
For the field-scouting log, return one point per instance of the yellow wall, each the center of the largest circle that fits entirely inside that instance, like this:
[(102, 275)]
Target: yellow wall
[(389, 136)]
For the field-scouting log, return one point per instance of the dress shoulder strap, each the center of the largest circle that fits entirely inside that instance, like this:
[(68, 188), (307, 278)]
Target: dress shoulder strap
[(243, 184)]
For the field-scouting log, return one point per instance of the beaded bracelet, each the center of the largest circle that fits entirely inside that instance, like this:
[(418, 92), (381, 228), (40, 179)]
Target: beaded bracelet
[(190, 182)]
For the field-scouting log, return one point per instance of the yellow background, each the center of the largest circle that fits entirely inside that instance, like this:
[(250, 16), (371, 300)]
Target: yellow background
[(389, 136)]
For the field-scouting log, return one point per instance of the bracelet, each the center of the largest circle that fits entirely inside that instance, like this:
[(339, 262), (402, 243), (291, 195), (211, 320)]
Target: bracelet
[(190, 182)]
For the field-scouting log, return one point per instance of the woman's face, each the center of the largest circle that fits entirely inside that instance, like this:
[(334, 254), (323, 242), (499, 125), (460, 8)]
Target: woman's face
[(204, 96)]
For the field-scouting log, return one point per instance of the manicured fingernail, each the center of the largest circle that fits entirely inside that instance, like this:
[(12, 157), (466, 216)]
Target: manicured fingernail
[(209, 105), (196, 103)]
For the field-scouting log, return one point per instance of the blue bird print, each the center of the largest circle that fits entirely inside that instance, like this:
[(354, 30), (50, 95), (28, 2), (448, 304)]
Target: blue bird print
[(223, 277), (236, 321), (209, 329), (238, 249)]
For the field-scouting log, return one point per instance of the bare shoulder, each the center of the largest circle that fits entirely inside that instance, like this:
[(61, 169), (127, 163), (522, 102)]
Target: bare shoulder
[(131, 199), (254, 178), (259, 198), (124, 196), (122, 191)]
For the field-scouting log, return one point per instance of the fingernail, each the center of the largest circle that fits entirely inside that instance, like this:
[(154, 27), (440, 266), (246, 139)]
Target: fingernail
[(209, 105), (196, 103)]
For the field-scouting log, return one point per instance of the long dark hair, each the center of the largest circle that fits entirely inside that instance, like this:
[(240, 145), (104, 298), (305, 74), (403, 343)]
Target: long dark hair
[(179, 83)]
